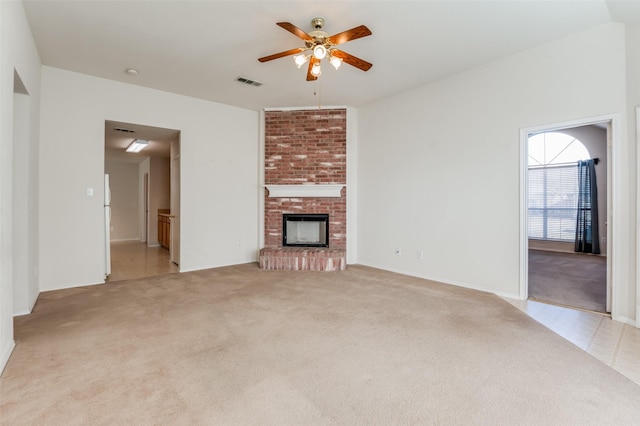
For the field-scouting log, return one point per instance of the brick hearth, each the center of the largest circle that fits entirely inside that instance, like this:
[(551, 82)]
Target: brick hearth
[(306, 147), (303, 259)]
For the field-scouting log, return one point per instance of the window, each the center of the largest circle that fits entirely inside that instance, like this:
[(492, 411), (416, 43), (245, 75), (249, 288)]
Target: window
[(553, 185)]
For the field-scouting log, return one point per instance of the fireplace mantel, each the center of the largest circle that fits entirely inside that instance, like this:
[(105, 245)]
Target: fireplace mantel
[(301, 191)]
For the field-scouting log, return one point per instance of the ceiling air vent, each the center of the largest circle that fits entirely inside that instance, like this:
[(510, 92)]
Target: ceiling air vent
[(123, 130), (249, 82)]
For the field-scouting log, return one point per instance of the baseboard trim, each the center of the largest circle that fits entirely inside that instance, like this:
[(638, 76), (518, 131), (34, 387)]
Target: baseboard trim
[(566, 251), (430, 278), (509, 295), (6, 354), (74, 285), (625, 320)]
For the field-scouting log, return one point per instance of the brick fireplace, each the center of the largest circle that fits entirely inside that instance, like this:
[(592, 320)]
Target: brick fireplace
[(305, 150)]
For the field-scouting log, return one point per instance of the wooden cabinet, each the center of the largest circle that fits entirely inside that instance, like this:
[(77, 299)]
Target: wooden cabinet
[(164, 229)]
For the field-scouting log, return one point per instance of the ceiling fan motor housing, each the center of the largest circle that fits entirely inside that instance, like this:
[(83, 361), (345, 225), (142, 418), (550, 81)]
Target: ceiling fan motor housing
[(317, 23)]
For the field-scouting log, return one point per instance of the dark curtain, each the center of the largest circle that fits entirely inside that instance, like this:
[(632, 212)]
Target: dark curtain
[(587, 236)]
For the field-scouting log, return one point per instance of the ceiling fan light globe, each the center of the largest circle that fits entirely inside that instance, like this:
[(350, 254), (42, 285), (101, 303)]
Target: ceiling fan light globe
[(300, 60), (316, 70), (319, 52), (336, 62)]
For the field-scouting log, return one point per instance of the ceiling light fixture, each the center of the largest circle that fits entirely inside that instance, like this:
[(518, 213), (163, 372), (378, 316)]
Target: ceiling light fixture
[(132, 72), (336, 62), (316, 70), (319, 52), (301, 59), (137, 145), (318, 45)]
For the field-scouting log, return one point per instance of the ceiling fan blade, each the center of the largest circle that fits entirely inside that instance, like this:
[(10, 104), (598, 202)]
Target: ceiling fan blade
[(282, 54), (352, 60), (352, 34), (295, 31), (312, 61)]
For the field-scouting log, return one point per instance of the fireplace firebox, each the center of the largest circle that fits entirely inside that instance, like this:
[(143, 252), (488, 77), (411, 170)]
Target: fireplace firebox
[(305, 230)]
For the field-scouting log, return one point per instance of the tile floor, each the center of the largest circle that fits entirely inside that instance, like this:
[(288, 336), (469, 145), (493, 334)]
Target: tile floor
[(133, 259), (614, 343)]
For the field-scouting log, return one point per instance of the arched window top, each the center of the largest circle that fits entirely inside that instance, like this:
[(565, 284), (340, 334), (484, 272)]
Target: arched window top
[(555, 148)]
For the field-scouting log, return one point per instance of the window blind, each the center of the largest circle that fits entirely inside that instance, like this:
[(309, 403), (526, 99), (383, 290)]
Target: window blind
[(553, 202)]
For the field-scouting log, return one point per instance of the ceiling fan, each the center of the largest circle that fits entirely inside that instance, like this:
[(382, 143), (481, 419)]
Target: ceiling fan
[(320, 45)]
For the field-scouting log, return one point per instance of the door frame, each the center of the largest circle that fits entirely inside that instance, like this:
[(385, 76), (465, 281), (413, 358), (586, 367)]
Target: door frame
[(613, 240), (145, 207), (175, 202), (637, 313)]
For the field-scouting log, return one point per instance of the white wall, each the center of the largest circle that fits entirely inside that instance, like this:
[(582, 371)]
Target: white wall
[(633, 159), (439, 166), (123, 181), (219, 174), (18, 56), (21, 271), (352, 186)]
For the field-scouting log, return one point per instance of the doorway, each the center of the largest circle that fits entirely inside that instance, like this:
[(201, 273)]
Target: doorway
[(551, 269), (142, 199), (22, 194)]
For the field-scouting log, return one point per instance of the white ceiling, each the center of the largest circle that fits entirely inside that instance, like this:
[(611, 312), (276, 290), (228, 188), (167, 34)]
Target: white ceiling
[(118, 136), (199, 48)]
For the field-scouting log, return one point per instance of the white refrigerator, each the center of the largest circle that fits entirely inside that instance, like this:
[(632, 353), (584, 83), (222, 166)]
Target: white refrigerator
[(107, 227)]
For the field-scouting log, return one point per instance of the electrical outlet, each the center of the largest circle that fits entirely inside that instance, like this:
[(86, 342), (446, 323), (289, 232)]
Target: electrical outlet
[(398, 252), (420, 255)]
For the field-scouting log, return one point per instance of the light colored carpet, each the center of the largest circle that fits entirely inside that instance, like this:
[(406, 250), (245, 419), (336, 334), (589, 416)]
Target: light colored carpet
[(568, 279), (238, 345)]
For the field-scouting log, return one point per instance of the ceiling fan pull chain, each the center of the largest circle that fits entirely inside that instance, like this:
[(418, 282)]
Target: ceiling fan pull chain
[(317, 92)]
